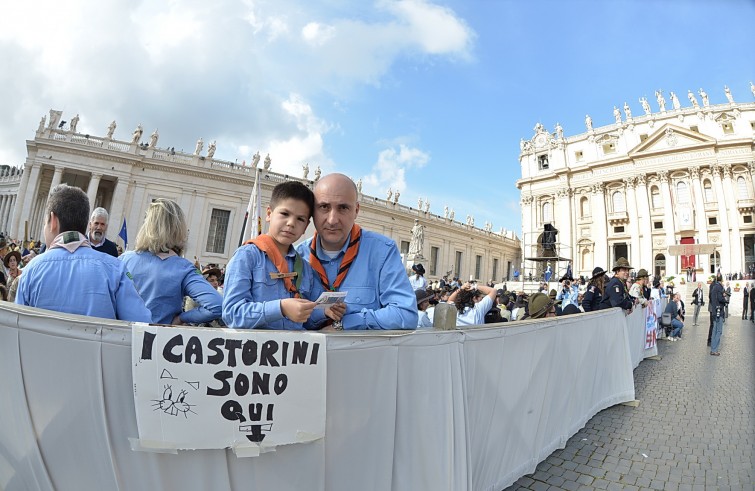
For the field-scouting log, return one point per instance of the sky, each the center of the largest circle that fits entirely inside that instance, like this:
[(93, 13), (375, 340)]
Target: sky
[(430, 98)]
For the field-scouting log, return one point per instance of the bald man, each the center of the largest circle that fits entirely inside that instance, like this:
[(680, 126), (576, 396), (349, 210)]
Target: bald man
[(365, 265)]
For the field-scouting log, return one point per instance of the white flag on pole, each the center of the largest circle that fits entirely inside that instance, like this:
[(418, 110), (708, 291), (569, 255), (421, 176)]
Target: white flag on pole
[(254, 211)]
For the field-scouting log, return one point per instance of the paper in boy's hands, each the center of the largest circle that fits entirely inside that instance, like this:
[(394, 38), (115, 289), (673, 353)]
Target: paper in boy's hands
[(326, 299)]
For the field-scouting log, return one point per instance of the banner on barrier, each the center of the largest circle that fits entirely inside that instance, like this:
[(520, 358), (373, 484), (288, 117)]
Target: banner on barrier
[(200, 388), (651, 324)]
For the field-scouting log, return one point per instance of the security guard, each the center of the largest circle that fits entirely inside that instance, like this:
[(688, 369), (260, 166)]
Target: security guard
[(616, 294)]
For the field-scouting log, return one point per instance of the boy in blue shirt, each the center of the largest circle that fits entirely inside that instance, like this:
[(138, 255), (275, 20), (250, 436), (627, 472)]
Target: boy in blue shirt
[(267, 284)]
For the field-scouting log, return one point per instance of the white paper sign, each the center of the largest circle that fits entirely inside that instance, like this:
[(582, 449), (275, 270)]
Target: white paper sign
[(202, 388)]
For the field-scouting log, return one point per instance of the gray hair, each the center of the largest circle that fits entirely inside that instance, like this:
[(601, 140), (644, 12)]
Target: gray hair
[(100, 212)]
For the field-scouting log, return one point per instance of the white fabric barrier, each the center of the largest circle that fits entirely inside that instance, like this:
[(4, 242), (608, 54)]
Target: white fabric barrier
[(454, 410)]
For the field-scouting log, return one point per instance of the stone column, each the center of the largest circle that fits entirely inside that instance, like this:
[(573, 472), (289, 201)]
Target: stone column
[(3, 208), (8, 214), (643, 212), (564, 223), (29, 178), (600, 226), (94, 184), (669, 224), (723, 218), (701, 220), (635, 258), (735, 258), (136, 212), (56, 177), (117, 205), (527, 224), (195, 245), (11, 209)]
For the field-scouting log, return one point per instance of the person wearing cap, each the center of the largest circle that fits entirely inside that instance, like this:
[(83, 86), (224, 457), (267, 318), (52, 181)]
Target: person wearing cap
[(541, 306), (637, 290), (568, 293), (423, 302), (595, 289), (418, 280), (472, 303), (616, 294)]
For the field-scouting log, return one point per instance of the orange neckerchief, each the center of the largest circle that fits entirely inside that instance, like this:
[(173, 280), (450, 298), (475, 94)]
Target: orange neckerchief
[(351, 254), (266, 244)]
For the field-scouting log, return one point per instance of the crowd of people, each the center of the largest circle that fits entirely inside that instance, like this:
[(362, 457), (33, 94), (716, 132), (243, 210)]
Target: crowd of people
[(270, 284)]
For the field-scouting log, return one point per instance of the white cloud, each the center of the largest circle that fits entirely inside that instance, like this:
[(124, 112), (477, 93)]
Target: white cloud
[(317, 34), (390, 169)]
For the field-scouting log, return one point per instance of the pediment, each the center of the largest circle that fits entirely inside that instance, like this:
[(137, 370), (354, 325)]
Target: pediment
[(607, 138), (724, 117), (669, 137)]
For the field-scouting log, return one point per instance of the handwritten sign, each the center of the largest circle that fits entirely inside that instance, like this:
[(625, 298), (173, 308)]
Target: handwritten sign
[(198, 388)]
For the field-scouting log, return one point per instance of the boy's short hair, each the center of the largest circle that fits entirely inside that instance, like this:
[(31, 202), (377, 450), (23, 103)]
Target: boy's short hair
[(293, 190), (71, 206)]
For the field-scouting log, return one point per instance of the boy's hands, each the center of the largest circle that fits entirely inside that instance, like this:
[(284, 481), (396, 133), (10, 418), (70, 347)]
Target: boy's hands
[(297, 309), (336, 311)]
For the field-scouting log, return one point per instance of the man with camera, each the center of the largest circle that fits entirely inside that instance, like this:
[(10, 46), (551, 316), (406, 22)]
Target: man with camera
[(716, 304), (568, 293)]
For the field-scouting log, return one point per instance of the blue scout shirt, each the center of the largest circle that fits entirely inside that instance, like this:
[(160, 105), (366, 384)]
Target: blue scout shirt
[(378, 293), (251, 299), (84, 282), (163, 284)]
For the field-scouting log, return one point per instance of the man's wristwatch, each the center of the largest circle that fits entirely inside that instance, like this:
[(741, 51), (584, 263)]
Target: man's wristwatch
[(338, 325)]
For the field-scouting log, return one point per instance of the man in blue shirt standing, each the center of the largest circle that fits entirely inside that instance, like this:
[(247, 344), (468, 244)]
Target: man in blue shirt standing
[(72, 277), (365, 265)]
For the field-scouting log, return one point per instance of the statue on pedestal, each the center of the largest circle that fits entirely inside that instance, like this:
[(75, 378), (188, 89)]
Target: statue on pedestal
[(427, 205), (395, 196), (418, 239), (627, 111), (704, 97), (318, 173), (445, 211), (359, 186), (675, 101), (752, 89), (74, 123), (559, 131), (255, 160), (645, 105), (692, 99), (588, 122), (211, 150), (110, 130), (617, 115), (267, 162), (42, 122), (137, 134), (451, 215), (419, 203), (660, 99), (729, 97), (153, 138), (389, 194), (200, 145), (305, 170)]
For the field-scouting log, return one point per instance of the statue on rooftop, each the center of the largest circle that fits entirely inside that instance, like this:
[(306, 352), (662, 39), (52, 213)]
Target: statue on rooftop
[(137, 134), (74, 123), (153, 138), (305, 170), (729, 97), (42, 122), (110, 130), (389, 194), (645, 105), (267, 162), (692, 99), (617, 115), (395, 196), (452, 215), (211, 150), (704, 97), (661, 100), (255, 160), (318, 173), (200, 145), (588, 122), (359, 186), (559, 131), (627, 111), (675, 101)]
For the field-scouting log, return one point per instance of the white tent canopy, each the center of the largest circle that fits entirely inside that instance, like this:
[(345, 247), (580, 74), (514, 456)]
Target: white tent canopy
[(691, 249)]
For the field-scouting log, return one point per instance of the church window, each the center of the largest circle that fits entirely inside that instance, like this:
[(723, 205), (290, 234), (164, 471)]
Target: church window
[(579, 156), (747, 218), (655, 197), (708, 191), (643, 137), (742, 188), (547, 212), (216, 235), (609, 148), (728, 128), (617, 199), (618, 230), (586, 261), (657, 225), (712, 221), (584, 207), (695, 129), (682, 193)]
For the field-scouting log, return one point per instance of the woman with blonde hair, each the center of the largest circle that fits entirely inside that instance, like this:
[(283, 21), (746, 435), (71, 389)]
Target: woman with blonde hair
[(161, 276)]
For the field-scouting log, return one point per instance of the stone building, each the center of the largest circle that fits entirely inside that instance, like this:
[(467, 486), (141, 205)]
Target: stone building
[(645, 185), (125, 176)]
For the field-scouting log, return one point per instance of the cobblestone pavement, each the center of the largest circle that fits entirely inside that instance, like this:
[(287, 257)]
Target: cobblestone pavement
[(694, 428)]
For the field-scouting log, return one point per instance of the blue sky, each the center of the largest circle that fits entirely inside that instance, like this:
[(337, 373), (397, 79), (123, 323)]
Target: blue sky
[(430, 98)]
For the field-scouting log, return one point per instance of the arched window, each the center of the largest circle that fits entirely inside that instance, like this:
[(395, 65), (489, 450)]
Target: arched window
[(715, 262), (618, 202), (586, 260), (584, 207), (708, 191), (682, 193), (547, 212), (655, 197), (742, 188)]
